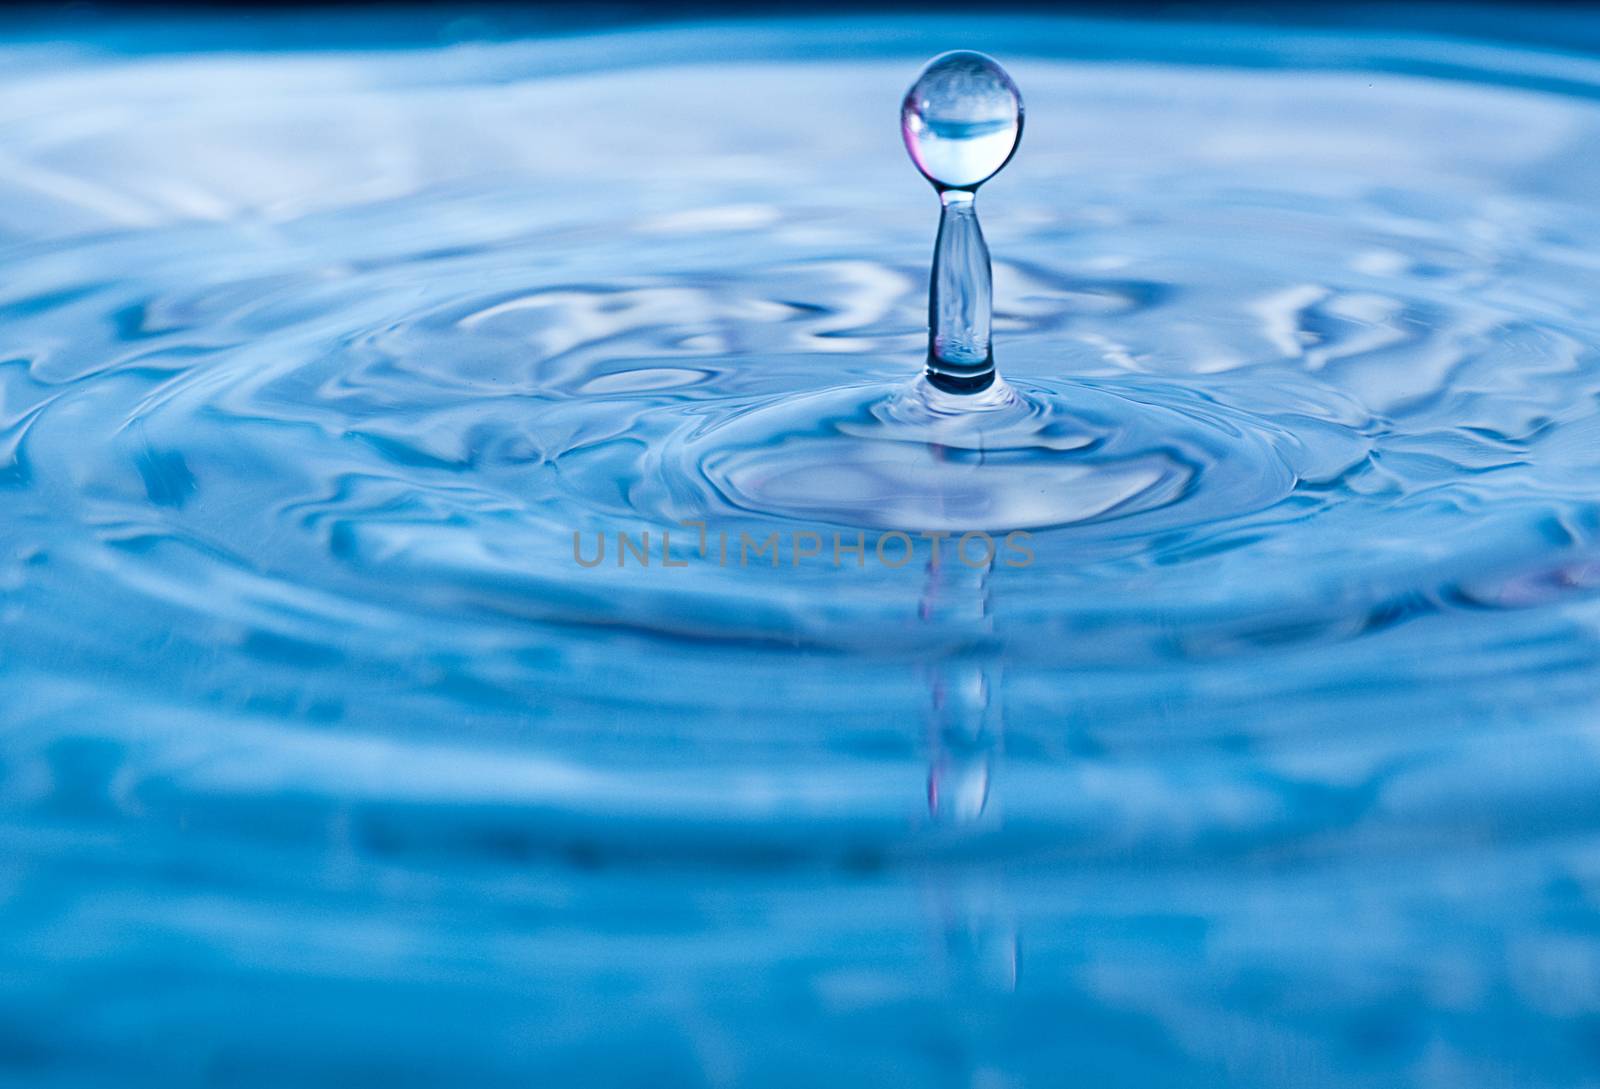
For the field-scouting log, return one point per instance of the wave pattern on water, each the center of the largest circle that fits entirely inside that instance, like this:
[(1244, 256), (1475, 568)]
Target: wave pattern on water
[(325, 762)]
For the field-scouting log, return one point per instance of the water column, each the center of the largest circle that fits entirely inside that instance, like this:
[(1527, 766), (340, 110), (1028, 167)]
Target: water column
[(962, 121)]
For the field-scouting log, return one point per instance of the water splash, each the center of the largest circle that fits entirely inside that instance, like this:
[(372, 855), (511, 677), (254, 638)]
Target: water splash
[(958, 449)]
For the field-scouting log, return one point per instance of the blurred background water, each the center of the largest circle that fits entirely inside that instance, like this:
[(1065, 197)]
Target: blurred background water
[(324, 763)]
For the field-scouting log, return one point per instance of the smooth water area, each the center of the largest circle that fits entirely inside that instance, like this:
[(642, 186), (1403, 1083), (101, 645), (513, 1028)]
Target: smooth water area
[(1267, 757)]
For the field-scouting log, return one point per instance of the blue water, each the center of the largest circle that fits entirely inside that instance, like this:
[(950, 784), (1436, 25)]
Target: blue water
[(325, 764)]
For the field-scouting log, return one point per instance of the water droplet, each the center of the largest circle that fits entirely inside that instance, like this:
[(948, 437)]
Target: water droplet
[(961, 119)]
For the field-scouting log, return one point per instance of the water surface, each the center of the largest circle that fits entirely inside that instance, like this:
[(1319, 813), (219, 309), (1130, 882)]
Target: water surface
[(325, 764)]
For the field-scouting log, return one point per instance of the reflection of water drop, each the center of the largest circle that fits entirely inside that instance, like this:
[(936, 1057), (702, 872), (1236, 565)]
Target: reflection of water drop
[(965, 736), (961, 121)]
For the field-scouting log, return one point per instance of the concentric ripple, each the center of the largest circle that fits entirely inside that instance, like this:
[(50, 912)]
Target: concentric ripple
[(914, 458), (323, 373)]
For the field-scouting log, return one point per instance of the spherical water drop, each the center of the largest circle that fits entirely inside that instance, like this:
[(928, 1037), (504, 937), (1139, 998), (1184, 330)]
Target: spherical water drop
[(962, 119)]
